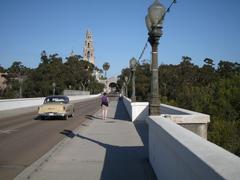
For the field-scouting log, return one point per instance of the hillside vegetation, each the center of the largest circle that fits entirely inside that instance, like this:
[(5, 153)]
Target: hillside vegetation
[(210, 89)]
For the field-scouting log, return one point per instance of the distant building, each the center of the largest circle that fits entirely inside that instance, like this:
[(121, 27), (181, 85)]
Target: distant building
[(107, 83), (88, 50), (3, 81)]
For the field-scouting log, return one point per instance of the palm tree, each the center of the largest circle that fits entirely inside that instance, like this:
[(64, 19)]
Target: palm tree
[(106, 66)]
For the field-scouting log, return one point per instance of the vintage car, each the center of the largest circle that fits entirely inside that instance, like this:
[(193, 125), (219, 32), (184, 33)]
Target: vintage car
[(56, 106)]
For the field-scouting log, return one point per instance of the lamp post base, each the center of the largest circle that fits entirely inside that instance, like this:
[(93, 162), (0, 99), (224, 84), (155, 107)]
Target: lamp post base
[(133, 98), (154, 106), (154, 110)]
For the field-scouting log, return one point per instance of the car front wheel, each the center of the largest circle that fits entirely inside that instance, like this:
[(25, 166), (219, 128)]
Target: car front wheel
[(66, 117)]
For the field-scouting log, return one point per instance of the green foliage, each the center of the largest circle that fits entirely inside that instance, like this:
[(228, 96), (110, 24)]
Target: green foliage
[(2, 70), (124, 81), (203, 89), (18, 69), (75, 74), (208, 90), (106, 67), (143, 83), (225, 134)]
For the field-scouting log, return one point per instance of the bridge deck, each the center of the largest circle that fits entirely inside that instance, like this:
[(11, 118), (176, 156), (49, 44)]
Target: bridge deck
[(100, 149)]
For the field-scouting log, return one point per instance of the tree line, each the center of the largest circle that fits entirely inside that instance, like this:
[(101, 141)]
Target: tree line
[(74, 73), (210, 89)]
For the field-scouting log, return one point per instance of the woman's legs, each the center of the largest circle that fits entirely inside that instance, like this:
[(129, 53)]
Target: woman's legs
[(105, 115), (104, 112)]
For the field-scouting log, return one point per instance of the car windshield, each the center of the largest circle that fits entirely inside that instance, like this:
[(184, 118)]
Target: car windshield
[(56, 100)]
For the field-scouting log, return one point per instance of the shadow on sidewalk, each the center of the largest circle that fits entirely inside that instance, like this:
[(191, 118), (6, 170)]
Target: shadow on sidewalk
[(121, 162), (142, 129), (91, 117), (121, 112)]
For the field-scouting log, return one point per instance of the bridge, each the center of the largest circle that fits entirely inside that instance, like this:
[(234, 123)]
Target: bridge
[(107, 84), (128, 145)]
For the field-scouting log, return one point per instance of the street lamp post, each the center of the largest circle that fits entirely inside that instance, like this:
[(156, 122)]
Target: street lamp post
[(154, 21), (123, 89), (126, 89), (20, 87), (133, 63), (54, 87)]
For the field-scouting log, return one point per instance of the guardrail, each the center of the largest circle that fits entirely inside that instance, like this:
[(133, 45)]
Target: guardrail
[(138, 111), (8, 104), (176, 153), (193, 121)]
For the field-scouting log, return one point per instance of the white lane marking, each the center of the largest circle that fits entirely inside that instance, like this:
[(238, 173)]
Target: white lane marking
[(7, 131)]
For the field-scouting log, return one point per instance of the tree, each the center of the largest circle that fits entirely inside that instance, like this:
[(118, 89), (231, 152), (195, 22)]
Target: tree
[(202, 89), (2, 70), (124, 80), (16, 74), (186, 59), (226, 68), (17, 69), (106, 67), (143, 79), (44, 58), (209, 62), (207, 74)]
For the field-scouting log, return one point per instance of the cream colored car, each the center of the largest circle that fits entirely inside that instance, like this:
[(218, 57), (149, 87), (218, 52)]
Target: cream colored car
[(56, 106)]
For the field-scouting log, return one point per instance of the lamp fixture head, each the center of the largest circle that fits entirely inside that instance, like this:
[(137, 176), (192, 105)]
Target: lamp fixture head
[(155, 15), (133, 63)]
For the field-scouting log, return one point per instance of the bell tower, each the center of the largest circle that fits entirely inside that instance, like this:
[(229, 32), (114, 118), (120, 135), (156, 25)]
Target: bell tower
[(88, 50)]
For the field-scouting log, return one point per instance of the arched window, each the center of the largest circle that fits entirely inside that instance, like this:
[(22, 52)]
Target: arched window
[(88, 55)]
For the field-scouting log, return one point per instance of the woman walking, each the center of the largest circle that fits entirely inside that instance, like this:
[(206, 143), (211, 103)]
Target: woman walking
[(104, 105)]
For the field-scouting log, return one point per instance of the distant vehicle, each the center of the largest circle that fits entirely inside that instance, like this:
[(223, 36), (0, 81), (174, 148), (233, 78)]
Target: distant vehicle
[(56, 106)]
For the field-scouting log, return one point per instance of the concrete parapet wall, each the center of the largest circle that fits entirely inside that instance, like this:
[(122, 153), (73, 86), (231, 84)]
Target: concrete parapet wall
[(138, 111), (176, 153), (127, 102), (183, 116), (8, 104), (75, 93), (83, 97), (193, 121)]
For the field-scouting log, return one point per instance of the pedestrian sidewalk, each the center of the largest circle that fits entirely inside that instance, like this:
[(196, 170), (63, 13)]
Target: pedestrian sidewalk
[(109, 149)]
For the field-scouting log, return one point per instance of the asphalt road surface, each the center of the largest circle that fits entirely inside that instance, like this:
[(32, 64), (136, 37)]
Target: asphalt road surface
[(25, 138)]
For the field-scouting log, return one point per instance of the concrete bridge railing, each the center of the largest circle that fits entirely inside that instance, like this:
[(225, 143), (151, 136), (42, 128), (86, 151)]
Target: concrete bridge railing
[(194, 121), (138, 111), (176, 153), (8, 104), (182, 152)]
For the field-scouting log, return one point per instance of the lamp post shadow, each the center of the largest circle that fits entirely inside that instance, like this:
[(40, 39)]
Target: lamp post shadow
[(121, 162)]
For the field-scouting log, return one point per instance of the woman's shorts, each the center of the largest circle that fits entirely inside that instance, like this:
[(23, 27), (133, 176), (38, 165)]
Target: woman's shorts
[(104, 107)]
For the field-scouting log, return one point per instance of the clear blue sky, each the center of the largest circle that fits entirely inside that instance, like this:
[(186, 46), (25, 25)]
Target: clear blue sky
[(199, 29)]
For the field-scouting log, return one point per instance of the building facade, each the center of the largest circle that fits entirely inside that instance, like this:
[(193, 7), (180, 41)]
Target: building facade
[(3, 81), (88, 50)]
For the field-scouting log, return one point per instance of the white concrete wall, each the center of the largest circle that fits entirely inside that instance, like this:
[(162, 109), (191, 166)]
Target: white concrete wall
[(75, 93), (177, 153), (127, 102), (190, 117), (138, 111), (8, 104)]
